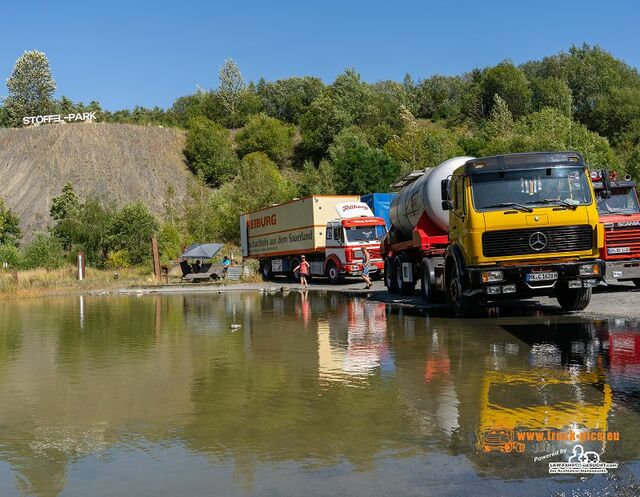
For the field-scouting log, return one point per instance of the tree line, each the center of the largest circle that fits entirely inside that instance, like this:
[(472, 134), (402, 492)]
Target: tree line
[(256, 143)]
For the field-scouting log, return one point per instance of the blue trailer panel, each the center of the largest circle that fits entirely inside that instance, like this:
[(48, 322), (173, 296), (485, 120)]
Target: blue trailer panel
[(380, 203)]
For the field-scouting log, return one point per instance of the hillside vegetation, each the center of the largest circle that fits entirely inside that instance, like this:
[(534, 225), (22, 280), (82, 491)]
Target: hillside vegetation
[(116, 162)]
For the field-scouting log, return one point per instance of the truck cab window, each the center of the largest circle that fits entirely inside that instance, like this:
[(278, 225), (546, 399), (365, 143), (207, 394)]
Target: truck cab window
[(621, 201), (337, 233)]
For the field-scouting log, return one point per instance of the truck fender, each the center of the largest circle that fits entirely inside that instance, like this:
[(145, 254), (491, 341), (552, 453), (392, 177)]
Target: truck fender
[(334, 258)]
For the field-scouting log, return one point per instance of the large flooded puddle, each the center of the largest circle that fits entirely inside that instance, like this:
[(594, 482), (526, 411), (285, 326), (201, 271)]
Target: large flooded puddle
[(254, 394)]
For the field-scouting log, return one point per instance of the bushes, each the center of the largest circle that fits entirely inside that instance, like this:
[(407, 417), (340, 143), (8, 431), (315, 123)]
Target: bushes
[(118, 259), (44, 251), (10, 254), (131, 230)]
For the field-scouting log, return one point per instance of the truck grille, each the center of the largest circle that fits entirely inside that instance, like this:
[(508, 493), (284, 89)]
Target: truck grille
[(522, 242), (624, 238)]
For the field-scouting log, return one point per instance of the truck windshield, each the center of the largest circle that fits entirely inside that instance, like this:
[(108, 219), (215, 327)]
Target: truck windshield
[(365, 233), (621, 201), (553, 186)]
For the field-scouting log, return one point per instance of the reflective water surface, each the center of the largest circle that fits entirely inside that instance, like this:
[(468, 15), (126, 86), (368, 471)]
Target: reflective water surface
[(318, 394)]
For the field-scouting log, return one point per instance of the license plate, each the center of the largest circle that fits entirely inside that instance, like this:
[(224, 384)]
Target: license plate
[(542, 276)]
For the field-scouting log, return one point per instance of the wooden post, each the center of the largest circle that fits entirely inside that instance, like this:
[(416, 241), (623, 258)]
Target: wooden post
[(156, 258)]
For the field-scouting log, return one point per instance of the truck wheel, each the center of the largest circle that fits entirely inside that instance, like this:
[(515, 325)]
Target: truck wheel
[(265, 270), (389, 276), (465, 306), (333, 273), (404, 287), (425, 284), (573, 299)]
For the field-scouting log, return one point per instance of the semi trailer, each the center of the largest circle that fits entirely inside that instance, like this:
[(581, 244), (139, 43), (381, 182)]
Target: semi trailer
[(508, 226), (331, 231), (619, 213)]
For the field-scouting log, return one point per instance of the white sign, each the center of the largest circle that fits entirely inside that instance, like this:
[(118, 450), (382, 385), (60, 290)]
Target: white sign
[(353, 209), (58, 118)]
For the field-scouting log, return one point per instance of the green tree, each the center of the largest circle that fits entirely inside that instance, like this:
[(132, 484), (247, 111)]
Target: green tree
[(440, 97), (423, 144), (86, 229), (64, 204), (200, 222), (132, 228), (10, 254), (552, 92), (360, 168), (230, 90), (170, 242), (44, 251), (552, 130), (320, 124), (258, 184), (10, 232), (317, 180), (269, 135), (289, 99), (30, 86), (500, 122), (632, 163), (511, 84), (209, 151)]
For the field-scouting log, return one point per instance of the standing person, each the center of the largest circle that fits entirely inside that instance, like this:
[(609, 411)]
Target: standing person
[(304, 271), (366, 267)]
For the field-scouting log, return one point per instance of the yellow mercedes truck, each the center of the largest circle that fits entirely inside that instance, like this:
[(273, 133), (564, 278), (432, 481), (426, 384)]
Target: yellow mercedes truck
[(508, 226)]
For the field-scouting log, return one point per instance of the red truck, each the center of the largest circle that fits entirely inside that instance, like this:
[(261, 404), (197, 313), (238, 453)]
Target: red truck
[(619, 212)]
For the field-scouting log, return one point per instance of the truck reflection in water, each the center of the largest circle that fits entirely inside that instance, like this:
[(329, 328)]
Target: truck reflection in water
[(353, 344)]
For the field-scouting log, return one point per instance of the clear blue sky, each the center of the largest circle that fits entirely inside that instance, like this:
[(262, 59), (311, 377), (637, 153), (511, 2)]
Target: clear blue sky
[(150, 52)]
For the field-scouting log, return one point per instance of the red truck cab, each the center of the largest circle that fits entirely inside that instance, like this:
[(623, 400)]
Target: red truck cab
[(619, 212)]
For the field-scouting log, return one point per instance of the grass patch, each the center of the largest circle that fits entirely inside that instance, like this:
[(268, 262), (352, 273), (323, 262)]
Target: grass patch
[(37, 282)]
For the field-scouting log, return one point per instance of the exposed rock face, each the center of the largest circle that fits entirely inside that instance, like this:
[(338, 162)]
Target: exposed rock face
[(121, 162)]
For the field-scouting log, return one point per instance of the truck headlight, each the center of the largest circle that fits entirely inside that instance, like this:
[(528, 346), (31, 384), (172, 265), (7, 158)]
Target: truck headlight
[(589, 270), (492, 276)]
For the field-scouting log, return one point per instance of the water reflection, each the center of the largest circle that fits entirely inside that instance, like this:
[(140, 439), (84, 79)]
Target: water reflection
[(317, 380)]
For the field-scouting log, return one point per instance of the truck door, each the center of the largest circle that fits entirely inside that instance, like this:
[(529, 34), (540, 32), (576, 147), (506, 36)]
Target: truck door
[(456, 222)]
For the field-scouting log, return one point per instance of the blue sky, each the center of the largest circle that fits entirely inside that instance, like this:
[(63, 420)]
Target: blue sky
[(149, 53)]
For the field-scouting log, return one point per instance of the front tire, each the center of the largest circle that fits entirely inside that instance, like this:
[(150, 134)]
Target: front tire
[(465, 305), (574, 299), (333, 273)]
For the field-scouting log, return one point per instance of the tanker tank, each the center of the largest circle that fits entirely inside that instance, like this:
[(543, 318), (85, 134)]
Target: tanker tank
[(422, 195)]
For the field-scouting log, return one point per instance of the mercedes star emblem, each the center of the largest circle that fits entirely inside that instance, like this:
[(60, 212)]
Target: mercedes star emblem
[(537, 241)]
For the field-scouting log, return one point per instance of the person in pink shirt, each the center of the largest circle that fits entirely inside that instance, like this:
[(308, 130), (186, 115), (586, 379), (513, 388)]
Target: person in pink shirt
[(304, 271)]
